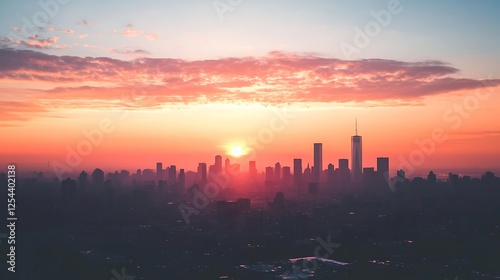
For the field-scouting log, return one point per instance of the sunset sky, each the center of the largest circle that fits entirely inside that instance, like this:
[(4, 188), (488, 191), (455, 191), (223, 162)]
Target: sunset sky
[(181, 81)]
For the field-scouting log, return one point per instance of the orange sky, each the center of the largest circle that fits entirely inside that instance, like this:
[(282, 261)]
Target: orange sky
[(185, 112)]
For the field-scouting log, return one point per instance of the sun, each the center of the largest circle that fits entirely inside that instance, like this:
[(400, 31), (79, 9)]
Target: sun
[(236, 151)]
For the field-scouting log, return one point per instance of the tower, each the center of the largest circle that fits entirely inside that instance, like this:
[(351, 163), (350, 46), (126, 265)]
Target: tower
[(318, 161), (218, 164), (357, 157), (297, 173), (172, 174), (277, 173), (383, 170), (159, 171), (202, 173), (252, 170)]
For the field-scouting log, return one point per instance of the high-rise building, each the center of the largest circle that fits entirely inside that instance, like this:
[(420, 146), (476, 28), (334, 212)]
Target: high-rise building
[(306, 176), (98, 177), (383, 171), (269, 173), (383, 165), (159, 171), (181, 184), (218, 163), (82, 179), (202, 172), (356, 158), (343, 164), (252, 170), (286, 176), (431, 178), (369, 179), (401, 175), (172, 174), (227, 165), (277, 173), (330, 175), (269, 182), (318, 161), (297, 173)]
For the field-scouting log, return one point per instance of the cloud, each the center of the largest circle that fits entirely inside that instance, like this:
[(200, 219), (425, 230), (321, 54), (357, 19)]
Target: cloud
[(277, 78), (69, 31), (19, 111), (33, 41), (131, 52), (129, 31), (82, 36)]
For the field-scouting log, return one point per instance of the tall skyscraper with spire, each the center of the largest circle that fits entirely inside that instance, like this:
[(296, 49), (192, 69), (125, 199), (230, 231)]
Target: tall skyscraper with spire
[(356, 157)]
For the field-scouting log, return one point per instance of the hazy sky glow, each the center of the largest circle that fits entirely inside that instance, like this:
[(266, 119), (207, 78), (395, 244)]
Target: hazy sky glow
[(178, 82)]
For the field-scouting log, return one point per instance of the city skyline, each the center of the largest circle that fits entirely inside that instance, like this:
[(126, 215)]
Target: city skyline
[(422, 89), (234, 139)]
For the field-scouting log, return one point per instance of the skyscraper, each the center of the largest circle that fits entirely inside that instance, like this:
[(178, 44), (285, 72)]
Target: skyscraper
[(252, 170), (159, 171), (383, 170), (83, 179), (286, 175), (218, 163), (269, 173), (277, 173), (269, 182), (318, 161), (202, 172), (182, 181), (98, 177), (383, 165), (172, 174), (356, 158), (297, 173), (227, 165)]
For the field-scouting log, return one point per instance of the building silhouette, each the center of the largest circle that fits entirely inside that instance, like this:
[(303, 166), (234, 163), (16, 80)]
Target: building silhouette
[(172, 174), (318, 162), (218, 164), (252, 170), (269, 176), (159, 171), (202, 172), (297, 173), (227, 165), (83, 179), (356, 158), (181, 184), (383, 170), (286, 176), (277, 173), (98, 177)]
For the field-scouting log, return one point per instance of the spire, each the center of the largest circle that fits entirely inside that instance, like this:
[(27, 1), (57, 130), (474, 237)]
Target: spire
[(356, 126)]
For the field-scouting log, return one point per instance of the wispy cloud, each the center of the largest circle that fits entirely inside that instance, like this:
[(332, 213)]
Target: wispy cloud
[(128, 51), (19, 111), (130, 31)]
